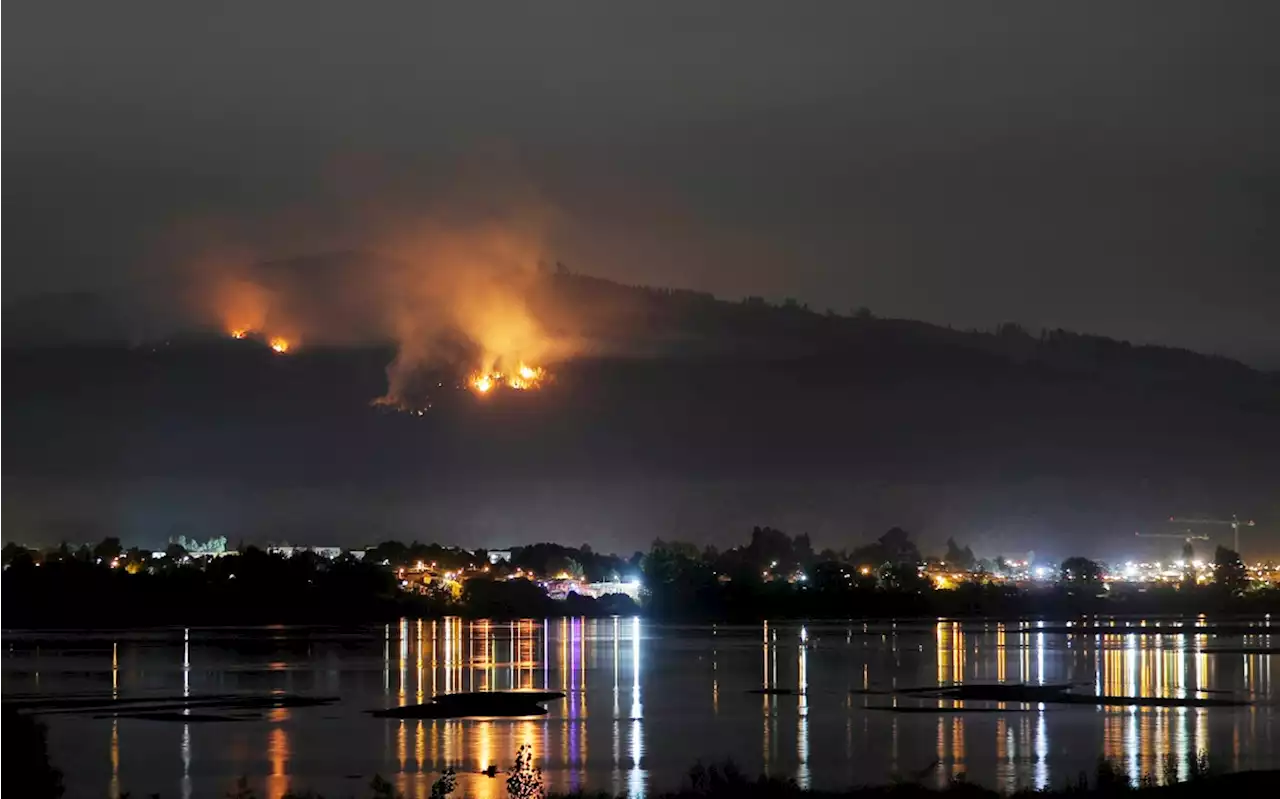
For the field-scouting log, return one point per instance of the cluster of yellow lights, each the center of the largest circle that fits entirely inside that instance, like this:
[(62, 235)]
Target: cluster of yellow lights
[(524, 378)]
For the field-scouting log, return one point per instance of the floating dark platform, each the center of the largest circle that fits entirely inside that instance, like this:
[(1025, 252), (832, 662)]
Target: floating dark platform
[(475, 703), (1050, 694)]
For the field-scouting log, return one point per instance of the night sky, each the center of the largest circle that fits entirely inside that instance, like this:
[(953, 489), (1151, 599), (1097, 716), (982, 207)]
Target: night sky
[(1112, 170)]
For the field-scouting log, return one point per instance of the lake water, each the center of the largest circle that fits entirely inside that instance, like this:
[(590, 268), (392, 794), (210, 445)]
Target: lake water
[(644, 701)]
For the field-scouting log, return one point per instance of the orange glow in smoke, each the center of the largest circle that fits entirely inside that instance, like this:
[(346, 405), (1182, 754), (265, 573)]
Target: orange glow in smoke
[(241, 306), (280, 345), (482, 383)]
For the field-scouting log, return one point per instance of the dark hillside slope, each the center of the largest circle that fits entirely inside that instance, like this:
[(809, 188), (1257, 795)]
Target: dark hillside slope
[(693, 418)]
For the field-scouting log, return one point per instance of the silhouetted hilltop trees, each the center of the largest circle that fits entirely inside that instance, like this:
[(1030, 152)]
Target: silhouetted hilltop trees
[(656, 320), (773, 575), (543, 560), (398, 554), (548, 560), (253, 587), (895, 547), (703, 323)]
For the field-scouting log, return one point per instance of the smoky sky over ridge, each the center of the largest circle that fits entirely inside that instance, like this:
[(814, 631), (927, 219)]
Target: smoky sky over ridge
[(1112, 169)]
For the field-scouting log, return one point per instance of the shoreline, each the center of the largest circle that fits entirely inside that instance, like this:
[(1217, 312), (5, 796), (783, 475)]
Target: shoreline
[(1121, 623)]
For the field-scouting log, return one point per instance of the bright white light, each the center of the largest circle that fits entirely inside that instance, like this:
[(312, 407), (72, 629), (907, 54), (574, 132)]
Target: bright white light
[(1042, 572)]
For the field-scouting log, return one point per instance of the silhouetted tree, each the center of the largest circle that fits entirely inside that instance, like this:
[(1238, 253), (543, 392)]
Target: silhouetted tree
[(135, 559), (1081, 570), (175, 552), (563, 564), (671, 561), (1228, 569), (893, 548), (504, 598), (902, 577), (960, 558), (392, 552), (802, 550), (108, 549), (13, 552)]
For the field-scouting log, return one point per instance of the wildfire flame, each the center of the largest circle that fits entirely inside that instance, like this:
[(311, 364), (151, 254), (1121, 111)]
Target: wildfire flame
[(525, 378), (278, 344)]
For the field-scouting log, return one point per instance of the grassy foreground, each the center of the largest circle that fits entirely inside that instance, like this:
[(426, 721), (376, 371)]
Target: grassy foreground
[(725, 781)]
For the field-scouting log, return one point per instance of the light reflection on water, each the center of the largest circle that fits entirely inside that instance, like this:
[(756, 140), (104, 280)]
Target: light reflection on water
[(500, 656), (644, 701)]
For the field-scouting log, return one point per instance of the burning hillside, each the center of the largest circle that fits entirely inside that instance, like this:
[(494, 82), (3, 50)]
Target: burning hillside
[(524, 378), (453, 298), (277, 344)]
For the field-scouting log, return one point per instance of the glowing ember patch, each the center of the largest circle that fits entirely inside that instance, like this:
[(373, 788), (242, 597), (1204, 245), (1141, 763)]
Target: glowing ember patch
[(279, 345), (526, 377), (239, 333)]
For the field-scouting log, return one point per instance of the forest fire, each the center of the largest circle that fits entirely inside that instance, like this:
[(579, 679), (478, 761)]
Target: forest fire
[(278, 344), (525, 378)]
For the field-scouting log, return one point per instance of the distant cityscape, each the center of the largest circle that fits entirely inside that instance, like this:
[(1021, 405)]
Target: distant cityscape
[(457, 566)]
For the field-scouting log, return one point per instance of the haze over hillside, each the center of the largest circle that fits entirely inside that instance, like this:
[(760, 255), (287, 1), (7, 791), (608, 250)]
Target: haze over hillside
[(670, 414)]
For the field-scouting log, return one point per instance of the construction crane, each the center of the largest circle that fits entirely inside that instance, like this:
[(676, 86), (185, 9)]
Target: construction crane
[(1234, 523), (1185, 535)]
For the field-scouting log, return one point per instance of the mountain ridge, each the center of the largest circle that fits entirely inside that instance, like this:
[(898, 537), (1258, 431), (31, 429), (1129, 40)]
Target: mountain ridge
[(689, 417), (637, 318)]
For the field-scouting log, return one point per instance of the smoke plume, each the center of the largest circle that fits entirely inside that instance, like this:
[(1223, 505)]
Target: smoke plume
[(449, 287)]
